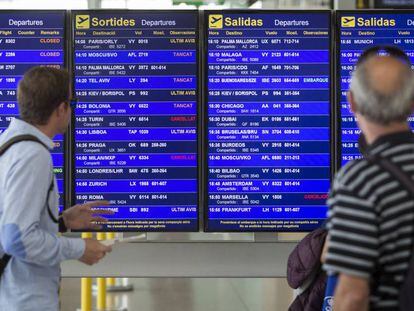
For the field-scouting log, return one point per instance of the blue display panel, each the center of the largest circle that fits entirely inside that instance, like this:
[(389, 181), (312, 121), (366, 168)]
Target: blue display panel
[(136, 123), (393, 3), (28, 39), (268, 120), (357, 32)]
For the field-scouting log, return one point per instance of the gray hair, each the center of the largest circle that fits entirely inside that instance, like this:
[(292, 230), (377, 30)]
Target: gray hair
[(378, 107)]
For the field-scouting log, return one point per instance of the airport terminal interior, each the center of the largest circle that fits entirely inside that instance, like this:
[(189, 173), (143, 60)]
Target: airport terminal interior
[(213, 128)]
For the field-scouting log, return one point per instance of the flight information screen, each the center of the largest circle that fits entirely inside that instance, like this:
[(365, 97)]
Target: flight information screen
[(357, 32), (268, 120), (29, 39), (136, 122), (393, 3)]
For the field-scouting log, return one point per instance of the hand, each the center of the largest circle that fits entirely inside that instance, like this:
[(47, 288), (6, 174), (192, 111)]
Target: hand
[(94, 252), (84, 217)]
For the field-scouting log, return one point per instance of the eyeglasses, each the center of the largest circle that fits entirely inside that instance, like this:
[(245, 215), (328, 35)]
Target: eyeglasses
[(384, 50), (73, 103)]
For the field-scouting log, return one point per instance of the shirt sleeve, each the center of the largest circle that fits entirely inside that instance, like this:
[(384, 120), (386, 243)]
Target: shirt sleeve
[(352, 234), (26, 191)]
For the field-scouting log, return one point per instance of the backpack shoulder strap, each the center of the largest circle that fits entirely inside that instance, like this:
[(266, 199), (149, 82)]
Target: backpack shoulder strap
[(395, 171), (51, 187), (18, 139)]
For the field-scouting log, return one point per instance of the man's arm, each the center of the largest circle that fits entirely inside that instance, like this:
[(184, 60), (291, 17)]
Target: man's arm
[(351, 294), (352, 247), (20, 234), (324, 251)]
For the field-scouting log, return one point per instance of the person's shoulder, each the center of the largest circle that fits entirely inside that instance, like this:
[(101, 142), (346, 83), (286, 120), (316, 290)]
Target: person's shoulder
[(30, 151), (353, 167), (354, 174)]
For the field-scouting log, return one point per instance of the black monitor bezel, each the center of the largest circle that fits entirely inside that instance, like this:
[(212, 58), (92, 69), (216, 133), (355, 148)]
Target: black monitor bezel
[(390, 7), (337, 88), (198, 105), (204, 88), (65, 190)]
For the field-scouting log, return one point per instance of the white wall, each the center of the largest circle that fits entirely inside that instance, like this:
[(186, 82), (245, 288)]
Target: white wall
[(344, 4)]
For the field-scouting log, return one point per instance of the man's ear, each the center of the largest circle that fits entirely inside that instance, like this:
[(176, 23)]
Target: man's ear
[(351, 102), (61, 109)]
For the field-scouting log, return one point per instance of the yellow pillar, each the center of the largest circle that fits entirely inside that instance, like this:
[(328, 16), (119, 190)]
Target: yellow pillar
[(360, 4), (86, 285), (110, 281), (110, 235), (86, 299), (101, 298), (101, 283)]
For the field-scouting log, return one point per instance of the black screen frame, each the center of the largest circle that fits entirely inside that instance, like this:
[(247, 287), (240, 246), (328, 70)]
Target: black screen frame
[(380, 5), (337, 88), (198, 104), (204, 89), (65, 189)]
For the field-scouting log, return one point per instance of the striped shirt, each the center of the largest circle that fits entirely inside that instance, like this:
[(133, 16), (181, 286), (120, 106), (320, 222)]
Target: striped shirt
[(371, 221)]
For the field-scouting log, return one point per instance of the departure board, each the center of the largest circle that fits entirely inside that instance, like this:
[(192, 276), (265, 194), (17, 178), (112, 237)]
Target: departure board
[(28, 39), (357, 32), (268, 120), (394, 3), (136, 122)]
